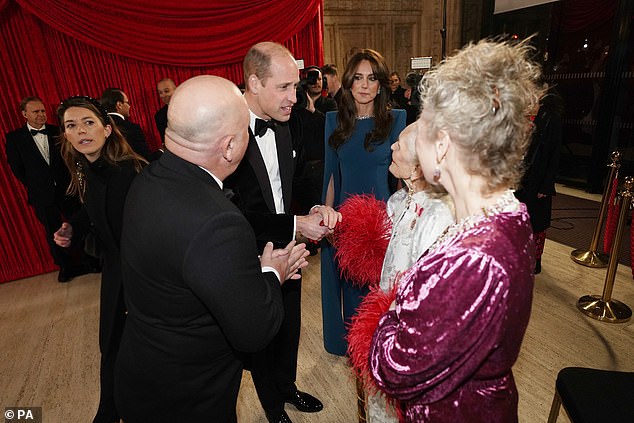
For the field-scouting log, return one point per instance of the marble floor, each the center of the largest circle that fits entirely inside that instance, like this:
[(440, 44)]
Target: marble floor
[(50, 358)]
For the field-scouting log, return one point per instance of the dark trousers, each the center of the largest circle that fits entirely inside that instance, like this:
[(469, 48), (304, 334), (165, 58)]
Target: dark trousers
[(111, 323), (51, 218), (274, 369)]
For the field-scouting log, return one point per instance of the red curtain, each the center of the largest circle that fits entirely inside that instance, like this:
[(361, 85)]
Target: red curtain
[(586, 15), (58, 48)]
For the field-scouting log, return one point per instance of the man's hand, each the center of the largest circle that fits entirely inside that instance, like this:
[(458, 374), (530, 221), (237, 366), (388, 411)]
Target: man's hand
[(312, 226), (310, 104), (63, 235), (287, 261), (329, 216)]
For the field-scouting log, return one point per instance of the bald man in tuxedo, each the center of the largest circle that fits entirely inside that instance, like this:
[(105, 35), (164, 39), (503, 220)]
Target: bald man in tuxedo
[(196, 293)]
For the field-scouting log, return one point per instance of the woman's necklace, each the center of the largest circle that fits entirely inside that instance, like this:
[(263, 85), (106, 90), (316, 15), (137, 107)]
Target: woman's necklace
[(363, 117), (507, 202), (418, 209)]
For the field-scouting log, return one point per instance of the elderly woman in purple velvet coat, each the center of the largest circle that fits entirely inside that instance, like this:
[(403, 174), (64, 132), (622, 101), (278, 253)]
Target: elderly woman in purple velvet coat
[(445, 348)]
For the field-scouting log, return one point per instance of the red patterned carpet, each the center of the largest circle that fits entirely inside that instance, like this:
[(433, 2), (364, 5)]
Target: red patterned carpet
[(573, 223)]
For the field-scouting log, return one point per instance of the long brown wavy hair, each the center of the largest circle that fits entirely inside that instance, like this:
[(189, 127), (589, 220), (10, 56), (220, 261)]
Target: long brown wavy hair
[(116, 149), (347, 113)]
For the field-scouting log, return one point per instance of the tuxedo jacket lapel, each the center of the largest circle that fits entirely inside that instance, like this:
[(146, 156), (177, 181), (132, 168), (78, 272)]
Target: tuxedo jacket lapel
[(286, 161), (256, 161), (34, 151)]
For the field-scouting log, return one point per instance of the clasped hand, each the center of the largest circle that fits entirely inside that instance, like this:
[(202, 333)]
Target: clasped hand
[(320, 222), (287, 261)]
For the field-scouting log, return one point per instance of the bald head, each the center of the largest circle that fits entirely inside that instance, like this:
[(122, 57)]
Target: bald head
[(165, 88), (208, 121)]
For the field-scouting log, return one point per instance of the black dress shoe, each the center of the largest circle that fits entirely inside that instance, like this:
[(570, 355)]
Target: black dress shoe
[(64, 275), (305, 402), (278, 418)]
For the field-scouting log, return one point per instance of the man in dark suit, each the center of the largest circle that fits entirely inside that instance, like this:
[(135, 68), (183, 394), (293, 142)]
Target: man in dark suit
[(263, 191), (195, 290), (118, 106), (165, 88), (334, 85), (35, 159)]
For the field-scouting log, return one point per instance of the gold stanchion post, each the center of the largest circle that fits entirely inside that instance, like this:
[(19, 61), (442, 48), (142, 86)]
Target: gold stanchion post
[(591, 257), (603, 307)]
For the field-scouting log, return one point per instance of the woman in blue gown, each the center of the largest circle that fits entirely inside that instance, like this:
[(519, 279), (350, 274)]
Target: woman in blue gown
[(358, 153)]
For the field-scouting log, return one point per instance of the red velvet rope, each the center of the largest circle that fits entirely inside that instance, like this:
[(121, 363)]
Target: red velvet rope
[(631, 250), (614, 208)]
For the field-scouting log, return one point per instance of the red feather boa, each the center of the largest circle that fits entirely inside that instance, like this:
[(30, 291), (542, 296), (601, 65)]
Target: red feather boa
[(360, 334), (361, 239), (361, 331)]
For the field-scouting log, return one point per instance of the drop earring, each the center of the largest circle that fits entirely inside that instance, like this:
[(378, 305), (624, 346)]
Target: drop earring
[(436, 174), (378, 91)]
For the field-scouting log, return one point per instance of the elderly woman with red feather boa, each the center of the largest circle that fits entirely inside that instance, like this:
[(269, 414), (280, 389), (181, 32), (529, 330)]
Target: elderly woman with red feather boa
[(445, 348), (414, 218)]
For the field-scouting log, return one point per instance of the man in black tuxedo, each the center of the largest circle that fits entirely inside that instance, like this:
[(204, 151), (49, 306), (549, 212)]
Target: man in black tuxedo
[(195, 290), (35, 159), (263, 191), (165, 88), (117, 105)]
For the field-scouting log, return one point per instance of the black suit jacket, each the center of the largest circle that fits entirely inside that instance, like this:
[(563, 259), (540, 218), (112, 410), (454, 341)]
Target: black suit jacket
[(133, 133), (195, 294), (45, 184), (160, 117), (253, 194)]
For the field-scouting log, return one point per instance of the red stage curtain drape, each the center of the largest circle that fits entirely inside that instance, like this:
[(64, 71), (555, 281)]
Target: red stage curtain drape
[(586, 15), (59, 48)]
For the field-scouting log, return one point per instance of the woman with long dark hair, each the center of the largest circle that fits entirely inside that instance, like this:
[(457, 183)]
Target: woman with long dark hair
[(358, 141), (102, 166)]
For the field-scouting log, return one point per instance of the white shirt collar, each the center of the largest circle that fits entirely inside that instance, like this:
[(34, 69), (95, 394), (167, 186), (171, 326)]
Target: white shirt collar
[(29, 127), (252, 119), (218, 181), (117, 114)]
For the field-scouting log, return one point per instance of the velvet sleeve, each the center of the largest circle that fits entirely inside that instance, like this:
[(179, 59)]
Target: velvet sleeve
[(447, 321)]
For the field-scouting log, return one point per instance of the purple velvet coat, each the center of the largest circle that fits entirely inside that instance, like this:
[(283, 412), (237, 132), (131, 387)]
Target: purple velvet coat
[(447, 350)]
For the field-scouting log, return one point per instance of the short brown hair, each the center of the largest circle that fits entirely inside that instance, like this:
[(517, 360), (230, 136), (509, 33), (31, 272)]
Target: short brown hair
[(27, 100), (258, 60)]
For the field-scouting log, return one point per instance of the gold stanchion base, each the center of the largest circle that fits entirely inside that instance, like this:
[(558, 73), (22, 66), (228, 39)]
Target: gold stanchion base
[(589, 258), (612, 311)]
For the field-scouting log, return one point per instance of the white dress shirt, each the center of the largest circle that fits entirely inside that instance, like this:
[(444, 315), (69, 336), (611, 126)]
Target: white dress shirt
[(268, 149), (41, 141)]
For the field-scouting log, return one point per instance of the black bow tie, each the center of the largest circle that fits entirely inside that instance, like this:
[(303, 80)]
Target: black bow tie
[(34, 132), (261, 126)]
